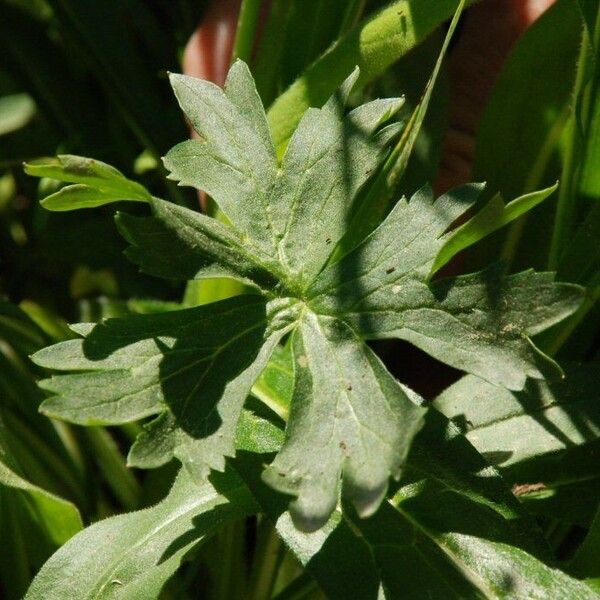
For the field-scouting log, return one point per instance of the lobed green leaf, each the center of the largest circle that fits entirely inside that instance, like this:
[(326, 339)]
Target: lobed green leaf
[(349, 421), (96, 183), (200, 363), (479, 323)]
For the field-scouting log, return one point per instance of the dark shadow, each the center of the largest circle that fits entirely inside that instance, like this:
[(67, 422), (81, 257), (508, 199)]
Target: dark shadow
[(230, 487), (568, 410), (497, 457), (199, 352), (443, 488)]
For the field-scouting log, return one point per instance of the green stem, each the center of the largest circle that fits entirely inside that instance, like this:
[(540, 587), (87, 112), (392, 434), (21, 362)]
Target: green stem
[(565, 208), (533, 181), (246, 30), (302, 588), (231, 572), (269, 554), (71, 444), (353, 15), (111, 462)]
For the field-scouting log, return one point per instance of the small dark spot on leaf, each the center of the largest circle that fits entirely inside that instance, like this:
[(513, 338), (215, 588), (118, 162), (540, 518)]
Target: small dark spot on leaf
[(349, 387), (328, 241), (343, 446), (390, 270)]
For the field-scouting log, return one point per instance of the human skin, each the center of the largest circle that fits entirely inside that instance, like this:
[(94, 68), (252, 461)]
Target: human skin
[(489, 30)]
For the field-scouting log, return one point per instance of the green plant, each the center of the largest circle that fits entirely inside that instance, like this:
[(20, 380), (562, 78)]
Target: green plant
[(350, 424), (305, 466)]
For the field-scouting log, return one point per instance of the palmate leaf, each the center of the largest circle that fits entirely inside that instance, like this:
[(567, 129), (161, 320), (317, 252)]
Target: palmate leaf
[(350, 424), (329, 157)]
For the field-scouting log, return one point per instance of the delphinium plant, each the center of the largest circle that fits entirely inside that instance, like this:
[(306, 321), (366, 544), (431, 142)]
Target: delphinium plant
[(304, 466)]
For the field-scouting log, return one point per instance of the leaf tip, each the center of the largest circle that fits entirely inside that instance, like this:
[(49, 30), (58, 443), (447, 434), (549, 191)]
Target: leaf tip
[(367, 502)]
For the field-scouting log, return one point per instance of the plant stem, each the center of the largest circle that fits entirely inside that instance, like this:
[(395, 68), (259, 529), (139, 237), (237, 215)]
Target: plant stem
[(246, 30), (110, 460), (269, 553), (353, 14), (302, 588), (565, 208), (515, 233), (231, 571)]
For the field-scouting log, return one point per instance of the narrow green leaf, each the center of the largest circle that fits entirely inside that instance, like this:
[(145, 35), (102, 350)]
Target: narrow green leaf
[(494, 215), (372, 45), (245, 34), (97, 183), (519, 135), (133, 555), (297, 32), (589, 182), (375, 205), (578, 177), (75, 197), (57, 518), (589, 12), (268, 62)]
